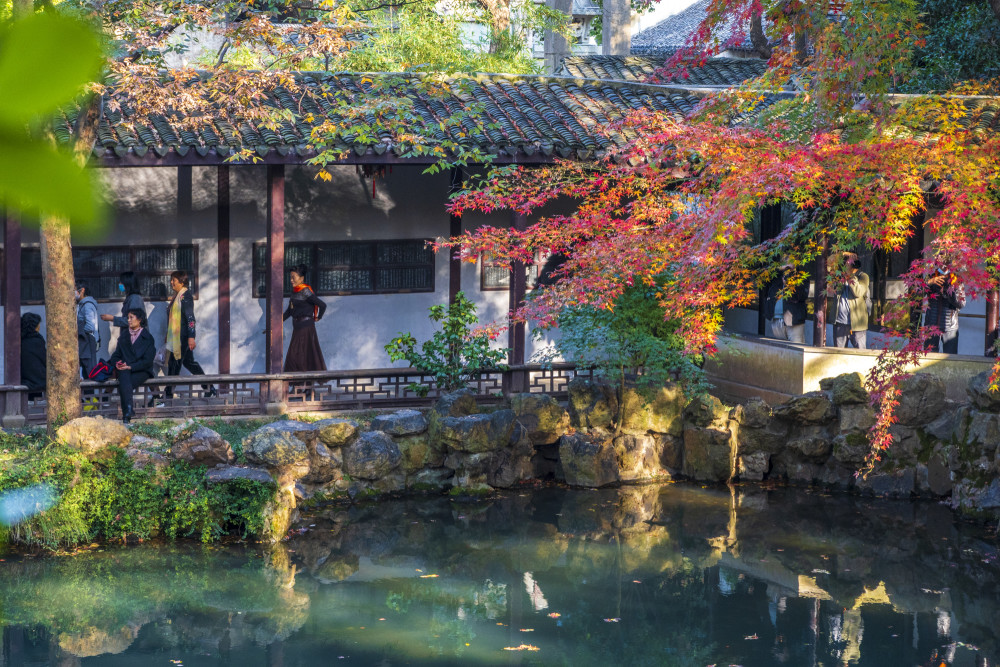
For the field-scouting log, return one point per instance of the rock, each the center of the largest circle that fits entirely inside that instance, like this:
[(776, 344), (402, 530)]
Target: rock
[(229, 473), (478, 433), (94, 436), (851, 449), (325, 463), (835, 475), (950, 425), (812, 408), (430, 479), (336, 432), (706, 411), (801, 472), (812, 447), (201, 445), (400, 423), (755, 413), (856, 417), (545, 420), (654, 410), (281, 443), (420, 452), (671, 452), (637, 457), (146, 452), (770, 439), (905, 445), (845, 389), (984, 431), (709, 454), (337, 567), (590, 404), (753, 466), (981, 396), (934, 477), (372, 456), (969, 495), (921, 399), (507, 468), (896, 484), (457, 404), (587, 462)]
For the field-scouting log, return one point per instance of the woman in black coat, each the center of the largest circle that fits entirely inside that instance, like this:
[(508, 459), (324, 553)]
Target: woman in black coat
[(32, 355), (305, 309), (133, 359)]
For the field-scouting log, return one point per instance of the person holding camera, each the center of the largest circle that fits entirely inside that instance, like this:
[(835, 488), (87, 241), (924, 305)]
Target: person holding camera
[(851, 324), (787, 317), (945, 298)]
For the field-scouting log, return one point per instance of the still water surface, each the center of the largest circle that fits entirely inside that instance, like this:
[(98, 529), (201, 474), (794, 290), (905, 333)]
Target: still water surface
[(671, 575)]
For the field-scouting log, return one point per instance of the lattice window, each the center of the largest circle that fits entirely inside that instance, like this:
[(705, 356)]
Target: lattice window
[(495, 276), (100, 267), (341, 268)]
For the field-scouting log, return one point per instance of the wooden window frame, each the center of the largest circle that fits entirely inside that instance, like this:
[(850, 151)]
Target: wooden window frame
[(94, 276), (259, 275), (533, 270)]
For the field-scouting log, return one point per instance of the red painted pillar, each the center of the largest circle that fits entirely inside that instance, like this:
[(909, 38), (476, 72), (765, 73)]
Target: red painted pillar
[(454, 263), (275, 282), (223, 262), (515, 334), (13, 415)]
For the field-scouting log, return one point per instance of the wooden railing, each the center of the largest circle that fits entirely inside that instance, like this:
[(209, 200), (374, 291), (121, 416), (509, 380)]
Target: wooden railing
[(260, 394)]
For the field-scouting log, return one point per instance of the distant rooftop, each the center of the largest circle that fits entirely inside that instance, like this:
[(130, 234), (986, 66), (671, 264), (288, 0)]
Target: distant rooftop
[(715, 71), (670, 34)]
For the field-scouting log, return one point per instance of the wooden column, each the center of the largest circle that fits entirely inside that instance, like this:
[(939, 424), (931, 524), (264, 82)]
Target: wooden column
[(819, 297), (13, 414), (515, 334), (454, 263), (992, 320), (184, 196), (770, 227), (223, 262), (275, 282)]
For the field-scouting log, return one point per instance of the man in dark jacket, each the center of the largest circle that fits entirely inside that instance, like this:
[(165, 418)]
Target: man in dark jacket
[(32, 355), (180, 342), (133, 359), (786, 317), (945, 299)]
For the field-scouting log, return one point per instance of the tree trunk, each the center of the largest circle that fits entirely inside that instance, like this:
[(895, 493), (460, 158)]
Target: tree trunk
[(995, 6), (62, 355), (616, 29), (498, 12), (759, 39)]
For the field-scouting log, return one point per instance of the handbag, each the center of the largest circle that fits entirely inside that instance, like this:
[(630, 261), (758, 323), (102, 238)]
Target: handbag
[(100, 372)]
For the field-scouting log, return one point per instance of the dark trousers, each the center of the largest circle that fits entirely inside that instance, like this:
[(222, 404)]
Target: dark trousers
[(948, 341), (127, 382), (187, 360)]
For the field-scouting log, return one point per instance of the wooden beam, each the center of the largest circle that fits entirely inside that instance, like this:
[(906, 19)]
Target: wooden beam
[(225, 335), (454, 263), (819, 297), (185, 197), (276, 265), (992, 321), (13, 413), (518, 288)]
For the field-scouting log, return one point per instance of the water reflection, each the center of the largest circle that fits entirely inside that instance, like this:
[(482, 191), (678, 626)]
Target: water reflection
[(667, 575)]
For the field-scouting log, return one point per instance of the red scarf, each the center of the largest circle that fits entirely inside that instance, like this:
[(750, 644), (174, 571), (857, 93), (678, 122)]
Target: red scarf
[(302, 286)]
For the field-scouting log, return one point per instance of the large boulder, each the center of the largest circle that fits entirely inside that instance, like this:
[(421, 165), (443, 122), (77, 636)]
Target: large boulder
[(982, 397), (457, 404), (200, 445), (709, 454), (336, 432), (400, 423), (984, 431), (637, 457), (706, 411), (659, 410), (478, 433), (895, 484), (372, 456), (325, 463), (812, 408), (420, 451), (94, 436), (846, 389), (224, 474), (754, 466), (588, 462), (812, 445), (921, 399), (856, 417), (145, 452), (281, 443), (973, 496), (545, 420), (755, 413), (851, 449), (591, 404)]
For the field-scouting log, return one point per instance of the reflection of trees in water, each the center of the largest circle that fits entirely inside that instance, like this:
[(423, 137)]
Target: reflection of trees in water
[(660, 575)]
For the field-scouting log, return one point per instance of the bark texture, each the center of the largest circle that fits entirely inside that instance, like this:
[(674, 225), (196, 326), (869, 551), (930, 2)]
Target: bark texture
[(62, 355)]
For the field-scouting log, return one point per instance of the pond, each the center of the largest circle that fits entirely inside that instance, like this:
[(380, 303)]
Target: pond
[(656, 575)]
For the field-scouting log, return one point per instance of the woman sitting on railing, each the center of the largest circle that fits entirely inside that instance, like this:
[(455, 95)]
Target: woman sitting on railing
[(133, 359)]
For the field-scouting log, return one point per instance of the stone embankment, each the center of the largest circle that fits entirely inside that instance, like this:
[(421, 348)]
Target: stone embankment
[(942, 449)]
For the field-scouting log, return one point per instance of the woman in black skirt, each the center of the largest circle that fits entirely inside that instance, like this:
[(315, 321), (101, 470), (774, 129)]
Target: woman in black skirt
[(305, 309)]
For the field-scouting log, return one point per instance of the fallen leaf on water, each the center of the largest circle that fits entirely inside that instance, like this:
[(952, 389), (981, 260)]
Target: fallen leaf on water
[(428, 576), (612, 620), (527, 629), (522, 647), (819, 571), (636, 581), (555, 614), (381, 619), (753, 636)]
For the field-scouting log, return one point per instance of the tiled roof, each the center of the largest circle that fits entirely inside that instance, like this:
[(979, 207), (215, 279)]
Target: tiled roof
[(522, 119), (670, 34), (715, 72)]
